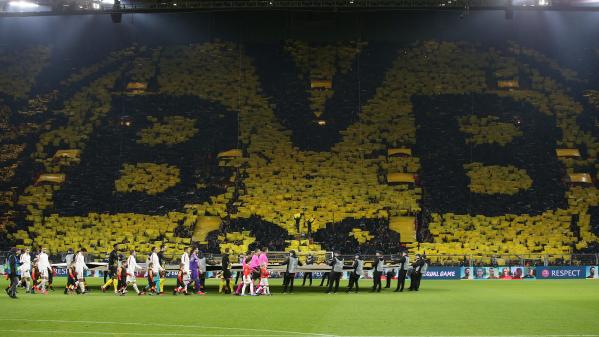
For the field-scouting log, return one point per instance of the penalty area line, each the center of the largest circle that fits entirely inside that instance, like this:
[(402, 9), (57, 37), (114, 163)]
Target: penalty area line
[(106, 333), (164, 325), (259, 332)]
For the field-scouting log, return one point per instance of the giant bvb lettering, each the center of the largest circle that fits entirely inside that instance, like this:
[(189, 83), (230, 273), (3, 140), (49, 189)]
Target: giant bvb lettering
[(313, 123)]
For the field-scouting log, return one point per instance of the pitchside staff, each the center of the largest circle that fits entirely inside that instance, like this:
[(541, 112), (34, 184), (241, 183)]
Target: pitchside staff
[(336, 272), (404, 262), (418, 269), (309, 262), (378, 267), (292, 262), (357, 271)]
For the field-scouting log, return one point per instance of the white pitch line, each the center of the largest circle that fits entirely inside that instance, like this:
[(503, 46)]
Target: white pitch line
[(61, 332), (166, 326), (207, 335), (282, 332)]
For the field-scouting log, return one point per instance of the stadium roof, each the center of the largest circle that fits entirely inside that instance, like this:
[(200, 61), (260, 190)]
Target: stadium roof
[(71, 7)]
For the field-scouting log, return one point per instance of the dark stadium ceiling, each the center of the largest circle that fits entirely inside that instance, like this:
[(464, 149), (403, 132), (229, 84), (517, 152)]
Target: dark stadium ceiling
[(71, 7)]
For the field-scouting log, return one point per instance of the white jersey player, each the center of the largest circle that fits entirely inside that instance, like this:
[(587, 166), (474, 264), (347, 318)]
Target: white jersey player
[(185, 261), (43, 266), (80, 268), (132, 268), (186, 267), (156, 268)]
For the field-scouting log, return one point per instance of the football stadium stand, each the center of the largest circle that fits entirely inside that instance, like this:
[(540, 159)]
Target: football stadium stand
[(448, 148)]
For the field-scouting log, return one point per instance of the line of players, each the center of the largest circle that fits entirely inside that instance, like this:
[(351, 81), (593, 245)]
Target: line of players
[(37, 275), (192, 272), (191, 275)]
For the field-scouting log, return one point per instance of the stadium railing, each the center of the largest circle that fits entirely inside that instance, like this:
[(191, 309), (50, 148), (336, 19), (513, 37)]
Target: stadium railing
[(434, 260)]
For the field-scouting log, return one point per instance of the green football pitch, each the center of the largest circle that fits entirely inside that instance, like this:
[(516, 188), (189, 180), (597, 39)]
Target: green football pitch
[(441, 308)]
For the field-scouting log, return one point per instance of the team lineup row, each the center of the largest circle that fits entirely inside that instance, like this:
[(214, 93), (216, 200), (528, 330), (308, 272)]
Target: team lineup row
[(191, 271)]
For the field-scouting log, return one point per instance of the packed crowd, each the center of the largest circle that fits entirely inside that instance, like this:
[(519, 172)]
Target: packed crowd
[(486, 124)]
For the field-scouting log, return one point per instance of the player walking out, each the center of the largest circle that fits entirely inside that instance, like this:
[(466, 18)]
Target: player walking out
[(80, 268), (162, 271), (25, 260), (113, 264), (71, 286), (132, 268), (43, 265), (156, 268), (186, 279)]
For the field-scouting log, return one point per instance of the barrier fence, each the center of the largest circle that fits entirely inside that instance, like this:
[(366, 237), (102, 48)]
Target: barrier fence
[(514, 260), (513, 273), (496, 260)]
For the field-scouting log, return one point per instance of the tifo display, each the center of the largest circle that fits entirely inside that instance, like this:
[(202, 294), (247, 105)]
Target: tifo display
[(449, 149), (299, 168)]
